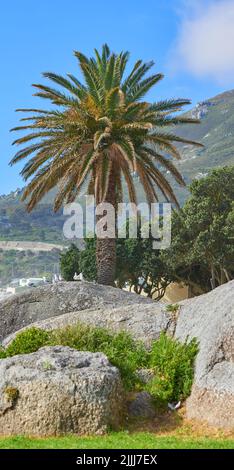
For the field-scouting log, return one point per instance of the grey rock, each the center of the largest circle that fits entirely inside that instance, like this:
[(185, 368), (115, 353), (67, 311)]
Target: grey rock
[(59, 390), (141, 406), (53, 300), (145, 375), (210, 318), (145, 321)]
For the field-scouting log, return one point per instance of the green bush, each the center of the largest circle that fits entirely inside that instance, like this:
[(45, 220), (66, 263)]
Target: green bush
[(28, 341), (128, 355), (82, 337), (173, 365), (120, 348), (171, 361)]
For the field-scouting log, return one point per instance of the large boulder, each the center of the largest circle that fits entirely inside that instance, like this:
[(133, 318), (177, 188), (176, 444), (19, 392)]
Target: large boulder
[(53, 300), (210, 319), (144, 321), (59, 390)]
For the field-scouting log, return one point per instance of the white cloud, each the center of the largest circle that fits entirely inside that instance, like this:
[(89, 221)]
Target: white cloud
[(205, 43)]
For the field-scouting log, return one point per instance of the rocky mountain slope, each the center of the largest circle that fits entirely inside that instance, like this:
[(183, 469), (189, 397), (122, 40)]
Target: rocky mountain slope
[(215, 132)]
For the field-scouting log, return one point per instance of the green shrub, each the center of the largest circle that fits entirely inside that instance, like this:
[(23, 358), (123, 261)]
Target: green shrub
[(128, 355), (120, 348), (28, 341), (173, 365), (82, 337), (171, 361)]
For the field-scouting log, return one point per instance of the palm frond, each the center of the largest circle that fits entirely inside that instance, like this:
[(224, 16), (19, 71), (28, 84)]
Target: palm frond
[(136, 75), (77, 90), (144, 86)]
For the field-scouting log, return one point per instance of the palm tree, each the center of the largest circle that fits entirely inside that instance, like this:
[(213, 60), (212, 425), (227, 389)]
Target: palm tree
[(100, 132)]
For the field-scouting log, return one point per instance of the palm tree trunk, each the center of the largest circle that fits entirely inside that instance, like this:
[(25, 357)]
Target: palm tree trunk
[(106, 261), (106, 247)]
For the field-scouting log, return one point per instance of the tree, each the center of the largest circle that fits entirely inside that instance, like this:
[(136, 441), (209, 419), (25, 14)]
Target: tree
[(69, 263), (136, 265), (141, 267), (101, 132), (88, 265), (202, 250)]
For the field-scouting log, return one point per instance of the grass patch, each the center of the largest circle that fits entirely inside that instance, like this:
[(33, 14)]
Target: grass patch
[(121, 440)]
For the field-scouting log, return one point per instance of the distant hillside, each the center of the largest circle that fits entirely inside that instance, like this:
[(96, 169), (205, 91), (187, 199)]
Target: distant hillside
[(40, 225), (215, 132), (24, 264), (34, 247)]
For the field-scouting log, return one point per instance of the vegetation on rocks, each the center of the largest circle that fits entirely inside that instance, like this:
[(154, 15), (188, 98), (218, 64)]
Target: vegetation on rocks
[(171, 362), (28, 341)]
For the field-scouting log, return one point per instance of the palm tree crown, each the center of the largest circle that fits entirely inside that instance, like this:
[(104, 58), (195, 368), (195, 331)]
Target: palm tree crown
[(100, 128)]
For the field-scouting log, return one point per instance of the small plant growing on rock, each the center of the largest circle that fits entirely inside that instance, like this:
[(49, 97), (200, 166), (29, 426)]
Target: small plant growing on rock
[(173, 308), (46, 365), (11, 393), (28, 341)]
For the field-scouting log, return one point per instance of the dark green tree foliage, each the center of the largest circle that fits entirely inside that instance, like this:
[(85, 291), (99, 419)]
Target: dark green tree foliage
[(138, 265), (202, 250), (69, 263), (88, 265)]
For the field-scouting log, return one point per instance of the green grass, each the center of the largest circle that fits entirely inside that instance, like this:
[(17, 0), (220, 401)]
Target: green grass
[(120, 440)]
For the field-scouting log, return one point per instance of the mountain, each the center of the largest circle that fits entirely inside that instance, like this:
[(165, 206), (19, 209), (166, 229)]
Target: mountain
[(40, 225), (215, 132)]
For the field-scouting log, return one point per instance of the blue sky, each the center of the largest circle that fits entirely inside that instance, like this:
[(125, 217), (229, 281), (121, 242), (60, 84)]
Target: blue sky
[(180, 36)]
